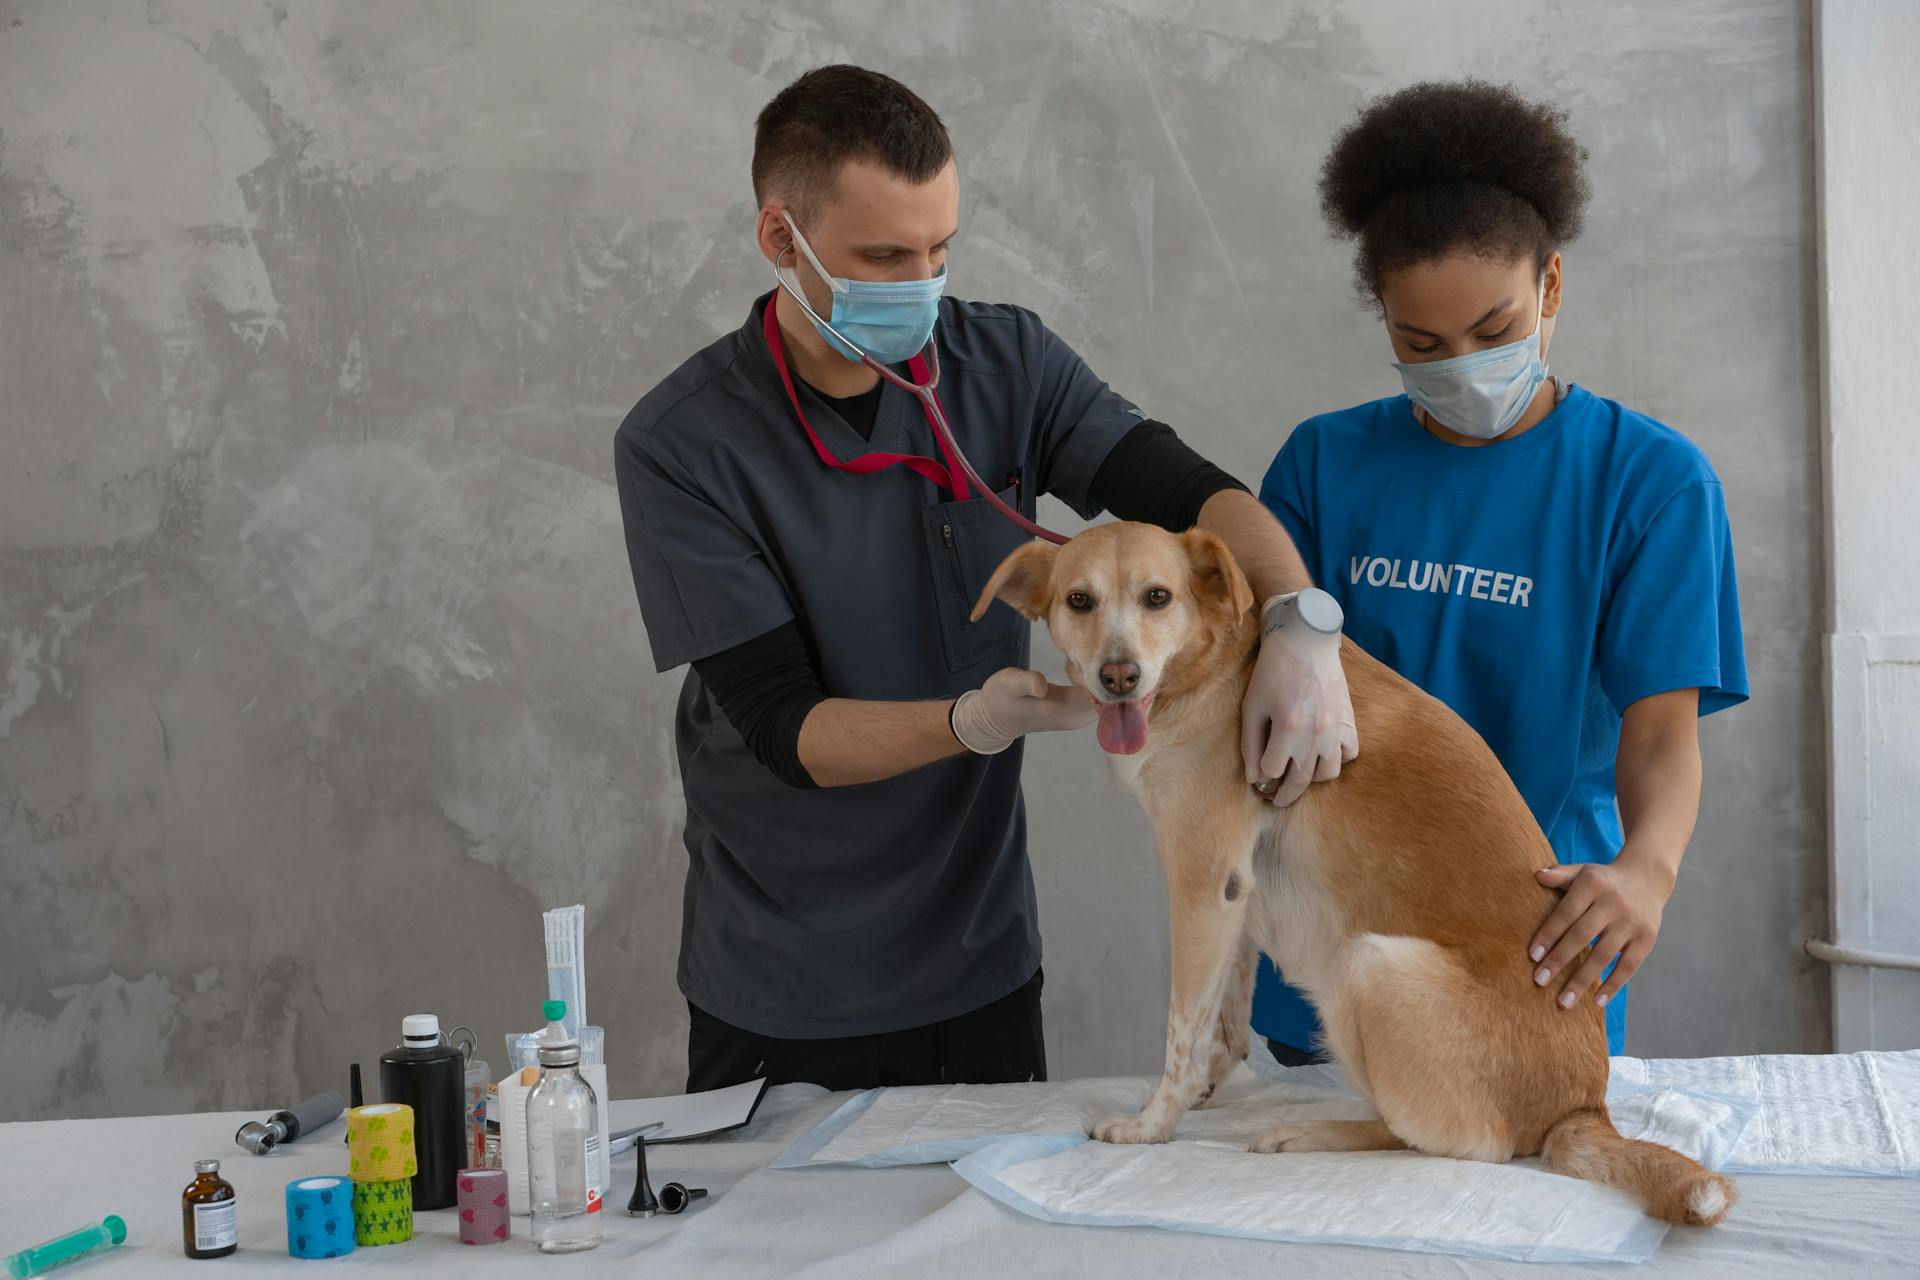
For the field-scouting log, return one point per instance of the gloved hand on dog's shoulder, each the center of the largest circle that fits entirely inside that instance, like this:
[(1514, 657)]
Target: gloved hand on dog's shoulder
[(1296, 723)]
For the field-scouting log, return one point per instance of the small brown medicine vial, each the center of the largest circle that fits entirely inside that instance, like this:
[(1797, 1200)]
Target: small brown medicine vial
[(207, 1218)]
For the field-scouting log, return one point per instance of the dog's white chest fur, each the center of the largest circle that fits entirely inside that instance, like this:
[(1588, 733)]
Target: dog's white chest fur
[(1293, 917), (1126, 771)]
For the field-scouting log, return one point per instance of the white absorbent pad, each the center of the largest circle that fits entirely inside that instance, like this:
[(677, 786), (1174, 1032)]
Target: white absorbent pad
[(938, 1124), (1852, 1114), (1380, 1199), (1026, 1146)]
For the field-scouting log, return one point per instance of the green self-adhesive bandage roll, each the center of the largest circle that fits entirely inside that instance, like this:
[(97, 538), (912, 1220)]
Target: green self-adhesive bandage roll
[(383, 1212)]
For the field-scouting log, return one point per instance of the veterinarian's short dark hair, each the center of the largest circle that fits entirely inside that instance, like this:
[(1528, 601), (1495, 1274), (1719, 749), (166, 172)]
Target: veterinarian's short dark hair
[(1451, 165), (834, 114)]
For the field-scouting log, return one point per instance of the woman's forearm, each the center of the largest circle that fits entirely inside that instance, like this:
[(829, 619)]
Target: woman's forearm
[(1657, 777)]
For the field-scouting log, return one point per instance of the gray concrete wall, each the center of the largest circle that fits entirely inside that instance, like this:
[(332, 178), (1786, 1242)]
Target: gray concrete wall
[(320, 672)]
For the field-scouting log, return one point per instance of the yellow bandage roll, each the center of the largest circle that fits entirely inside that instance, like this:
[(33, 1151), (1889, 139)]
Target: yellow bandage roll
[(380, 1143)]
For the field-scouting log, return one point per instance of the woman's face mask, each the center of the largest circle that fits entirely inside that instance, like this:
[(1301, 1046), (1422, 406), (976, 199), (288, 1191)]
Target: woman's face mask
[(890, 320), (1483, 393)]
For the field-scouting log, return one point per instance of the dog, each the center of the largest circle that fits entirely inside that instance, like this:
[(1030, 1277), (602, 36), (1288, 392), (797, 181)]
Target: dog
[(1399, 896)]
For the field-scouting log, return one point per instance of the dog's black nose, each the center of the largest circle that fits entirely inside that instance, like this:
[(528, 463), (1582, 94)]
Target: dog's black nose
[(1120, 677)]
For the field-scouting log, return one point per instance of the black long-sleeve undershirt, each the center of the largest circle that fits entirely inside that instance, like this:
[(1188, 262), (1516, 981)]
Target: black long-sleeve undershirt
[(766, 686)]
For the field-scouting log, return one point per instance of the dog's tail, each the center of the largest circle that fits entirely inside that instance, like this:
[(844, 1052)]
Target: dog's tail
[(1584, 1144)]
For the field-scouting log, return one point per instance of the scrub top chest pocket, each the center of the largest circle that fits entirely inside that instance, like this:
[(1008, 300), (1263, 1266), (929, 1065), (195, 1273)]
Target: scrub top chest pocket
[(966, 541)]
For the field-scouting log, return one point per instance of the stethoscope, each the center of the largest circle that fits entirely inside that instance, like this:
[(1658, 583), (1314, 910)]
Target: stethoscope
[(929, 402)]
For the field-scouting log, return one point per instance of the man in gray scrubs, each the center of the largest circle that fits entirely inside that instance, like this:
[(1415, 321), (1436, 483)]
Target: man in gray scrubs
[(859, 909)]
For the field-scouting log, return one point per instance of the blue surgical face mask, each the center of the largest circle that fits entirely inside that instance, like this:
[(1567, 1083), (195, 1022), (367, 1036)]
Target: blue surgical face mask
[(890, 319), (1483, 393)]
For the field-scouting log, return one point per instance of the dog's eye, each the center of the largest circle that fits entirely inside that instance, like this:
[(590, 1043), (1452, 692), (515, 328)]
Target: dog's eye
[(1079, 601), (1159, 598)]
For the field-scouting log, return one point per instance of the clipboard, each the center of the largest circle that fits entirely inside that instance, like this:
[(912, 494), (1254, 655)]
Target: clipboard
[(684, 1117)]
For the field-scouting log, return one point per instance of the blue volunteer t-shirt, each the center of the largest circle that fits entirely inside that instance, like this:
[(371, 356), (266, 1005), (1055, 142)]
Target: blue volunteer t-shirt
[(1538, 586)]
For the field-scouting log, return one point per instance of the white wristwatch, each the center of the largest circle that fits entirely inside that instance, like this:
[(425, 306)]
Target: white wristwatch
[(1311, 608)]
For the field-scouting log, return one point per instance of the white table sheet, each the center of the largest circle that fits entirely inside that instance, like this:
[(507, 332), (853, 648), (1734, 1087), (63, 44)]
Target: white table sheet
[(924, 1222)]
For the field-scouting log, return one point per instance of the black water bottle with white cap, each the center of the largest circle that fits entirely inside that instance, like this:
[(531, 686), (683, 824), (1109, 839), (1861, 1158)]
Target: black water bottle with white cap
[(429, 1075)]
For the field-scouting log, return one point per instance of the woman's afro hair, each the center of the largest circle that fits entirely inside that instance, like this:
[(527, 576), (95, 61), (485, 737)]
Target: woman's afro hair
[(1449, 166)]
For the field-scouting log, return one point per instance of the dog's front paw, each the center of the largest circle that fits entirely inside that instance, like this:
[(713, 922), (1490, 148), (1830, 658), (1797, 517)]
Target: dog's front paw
[(1128, 1130)]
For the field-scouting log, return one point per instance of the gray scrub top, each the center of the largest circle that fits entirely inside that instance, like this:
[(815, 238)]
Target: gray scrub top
[(852, 910)]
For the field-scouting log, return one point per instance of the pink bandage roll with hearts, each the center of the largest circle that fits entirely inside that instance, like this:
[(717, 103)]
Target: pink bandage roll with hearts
[(482, 1200)]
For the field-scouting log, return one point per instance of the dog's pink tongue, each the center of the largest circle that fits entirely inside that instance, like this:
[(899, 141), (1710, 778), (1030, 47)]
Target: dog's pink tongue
[(1123, 726)]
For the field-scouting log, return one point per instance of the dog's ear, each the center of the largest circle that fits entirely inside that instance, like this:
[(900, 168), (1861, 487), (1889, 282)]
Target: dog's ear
[(1216, 575), (1024, 580)]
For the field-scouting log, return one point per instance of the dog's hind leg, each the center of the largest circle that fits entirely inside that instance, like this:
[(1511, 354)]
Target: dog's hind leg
[(1235, 1023), (1416, 1034), (1328, 1135), (1208, 891)]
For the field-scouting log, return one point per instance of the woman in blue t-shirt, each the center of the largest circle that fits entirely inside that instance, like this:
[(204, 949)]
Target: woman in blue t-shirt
[(1554, 566)]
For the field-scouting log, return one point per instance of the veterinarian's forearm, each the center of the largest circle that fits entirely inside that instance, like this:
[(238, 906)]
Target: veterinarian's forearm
[(1657, 777), (844, 742), (1258, 542)]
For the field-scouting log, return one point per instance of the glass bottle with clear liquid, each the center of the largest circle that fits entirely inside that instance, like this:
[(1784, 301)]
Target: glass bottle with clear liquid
[(563, 1145)]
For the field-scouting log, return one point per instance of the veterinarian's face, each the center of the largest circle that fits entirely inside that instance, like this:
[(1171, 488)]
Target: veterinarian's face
[(875, 226)]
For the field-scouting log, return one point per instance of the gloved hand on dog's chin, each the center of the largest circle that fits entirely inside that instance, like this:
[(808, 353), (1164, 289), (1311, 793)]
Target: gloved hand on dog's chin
[(1297, 723), (1013, 703)]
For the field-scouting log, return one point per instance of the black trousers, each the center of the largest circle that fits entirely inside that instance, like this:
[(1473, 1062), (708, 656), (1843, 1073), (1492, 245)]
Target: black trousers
[(1288, 1056), (995, 1044)]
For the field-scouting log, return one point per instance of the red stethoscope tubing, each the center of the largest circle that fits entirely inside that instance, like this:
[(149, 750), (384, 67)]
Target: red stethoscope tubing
[(929, 403)]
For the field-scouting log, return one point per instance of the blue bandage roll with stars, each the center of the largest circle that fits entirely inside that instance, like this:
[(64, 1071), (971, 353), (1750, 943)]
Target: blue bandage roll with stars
[(319, 1217)]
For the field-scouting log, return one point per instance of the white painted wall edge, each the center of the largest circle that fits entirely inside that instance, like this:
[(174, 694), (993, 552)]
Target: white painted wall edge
[(1867, 181)]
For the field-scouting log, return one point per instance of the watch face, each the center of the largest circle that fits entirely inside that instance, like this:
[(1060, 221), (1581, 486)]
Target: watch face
[(1319, 610)]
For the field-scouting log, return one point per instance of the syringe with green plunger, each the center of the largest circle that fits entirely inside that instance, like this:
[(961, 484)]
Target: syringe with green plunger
[(92, 1238)]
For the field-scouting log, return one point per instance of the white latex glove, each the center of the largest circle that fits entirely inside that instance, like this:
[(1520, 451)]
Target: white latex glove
[(1013, 703), (1297, 707)]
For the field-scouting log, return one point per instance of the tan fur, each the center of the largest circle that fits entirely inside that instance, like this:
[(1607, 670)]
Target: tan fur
[(1399, 896)]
